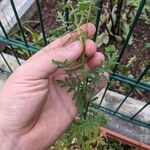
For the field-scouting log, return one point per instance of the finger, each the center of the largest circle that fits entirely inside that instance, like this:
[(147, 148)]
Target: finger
[(95, 61), (89, 28), (90, 48), (43, 66)]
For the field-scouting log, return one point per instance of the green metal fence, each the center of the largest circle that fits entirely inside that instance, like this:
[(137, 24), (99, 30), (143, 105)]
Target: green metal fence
[(134, 83)]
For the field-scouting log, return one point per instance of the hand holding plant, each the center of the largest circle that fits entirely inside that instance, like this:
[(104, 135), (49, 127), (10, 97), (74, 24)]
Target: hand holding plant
[(36, 110)]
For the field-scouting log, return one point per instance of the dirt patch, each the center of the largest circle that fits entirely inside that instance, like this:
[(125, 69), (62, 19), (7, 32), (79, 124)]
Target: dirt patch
[(141, 56), (49, 11), (138, 49)]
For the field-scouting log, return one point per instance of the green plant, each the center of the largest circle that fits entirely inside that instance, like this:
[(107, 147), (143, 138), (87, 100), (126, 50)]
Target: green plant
[(111, 54), (88, 141), (85, 131), (32, 37), (78, 80), (82, 133), (116, 19)]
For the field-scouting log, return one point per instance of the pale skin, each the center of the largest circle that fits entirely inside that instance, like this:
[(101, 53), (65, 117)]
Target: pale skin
[(34, 110)]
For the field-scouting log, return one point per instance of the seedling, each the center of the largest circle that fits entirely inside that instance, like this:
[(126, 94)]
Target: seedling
[(82, 83)]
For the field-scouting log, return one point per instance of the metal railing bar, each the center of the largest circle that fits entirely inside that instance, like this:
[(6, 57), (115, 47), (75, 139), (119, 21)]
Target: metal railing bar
[(132, 27), (122, 116), (142, 3), (1, 69), (19, 23), (66, 14), (130, 81), (41, 21), (6, 62), (115, 76), (102, 99), (140, 110), (141, 76), (100, 3), (3, 29), (5, 72), (19, 44)]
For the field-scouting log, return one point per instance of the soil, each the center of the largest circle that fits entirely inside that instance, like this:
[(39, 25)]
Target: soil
[(142, 59), (49, 11), (141, 37)]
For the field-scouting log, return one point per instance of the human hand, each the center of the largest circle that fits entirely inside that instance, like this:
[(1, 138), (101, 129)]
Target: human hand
[(34, 109)]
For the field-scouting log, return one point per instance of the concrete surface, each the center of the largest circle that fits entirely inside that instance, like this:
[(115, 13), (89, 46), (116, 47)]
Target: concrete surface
[(131, 130), (13, 64), (112, 100), (130, 107)]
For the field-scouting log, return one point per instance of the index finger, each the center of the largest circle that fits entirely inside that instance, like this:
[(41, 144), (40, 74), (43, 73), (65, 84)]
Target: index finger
[(60, 42)]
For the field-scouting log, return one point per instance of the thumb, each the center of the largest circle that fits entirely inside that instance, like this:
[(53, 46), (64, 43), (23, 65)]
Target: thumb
[(43, 67)]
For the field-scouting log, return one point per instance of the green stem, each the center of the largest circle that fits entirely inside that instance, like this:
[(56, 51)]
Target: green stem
[(81, 38), (77, 22)]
